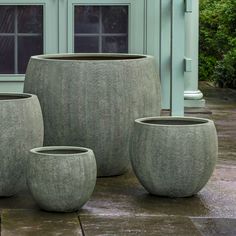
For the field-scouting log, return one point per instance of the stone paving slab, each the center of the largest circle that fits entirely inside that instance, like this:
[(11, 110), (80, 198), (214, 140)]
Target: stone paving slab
[(124, 196), (121, 205), (222, 104), (94, 225), (22, 200), (215, 226), (39, 223)]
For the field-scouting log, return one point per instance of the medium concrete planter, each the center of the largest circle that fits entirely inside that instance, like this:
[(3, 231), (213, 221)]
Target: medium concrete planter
[(91, 100), (174, 156), (21, 129), (61, 178)]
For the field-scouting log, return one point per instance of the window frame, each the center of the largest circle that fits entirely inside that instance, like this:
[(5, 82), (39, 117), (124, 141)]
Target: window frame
[(136, 33), (100, 34), (50, 30)]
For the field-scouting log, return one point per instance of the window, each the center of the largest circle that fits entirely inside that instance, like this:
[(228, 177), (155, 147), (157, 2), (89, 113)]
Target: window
[(21, 36), (53, 26), (101, 29)]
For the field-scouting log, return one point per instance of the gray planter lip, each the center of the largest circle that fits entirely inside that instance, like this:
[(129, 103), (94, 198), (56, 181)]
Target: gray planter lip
[(16, 97), (118, 56), (196, 121), (81, 151)]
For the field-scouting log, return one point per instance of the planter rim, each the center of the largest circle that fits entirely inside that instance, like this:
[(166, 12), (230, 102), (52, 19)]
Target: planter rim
[(116, 57), (58, 148), (16, 96), (202, 121)]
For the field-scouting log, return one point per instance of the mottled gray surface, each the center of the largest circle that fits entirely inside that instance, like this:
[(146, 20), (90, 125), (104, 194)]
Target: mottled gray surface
[(215, 226), (92, 103), (22, 222), (61, 182), (21, 129), (141, 225), (174, 160)]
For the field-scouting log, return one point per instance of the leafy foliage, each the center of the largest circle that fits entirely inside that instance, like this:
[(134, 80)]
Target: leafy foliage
[(218, 41)]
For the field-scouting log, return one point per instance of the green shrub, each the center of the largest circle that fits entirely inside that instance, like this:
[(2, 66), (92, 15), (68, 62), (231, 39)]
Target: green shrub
[(225, 70), (218, 41)]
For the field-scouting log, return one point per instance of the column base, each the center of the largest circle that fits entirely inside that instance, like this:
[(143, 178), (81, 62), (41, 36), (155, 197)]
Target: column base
[(194, 99)]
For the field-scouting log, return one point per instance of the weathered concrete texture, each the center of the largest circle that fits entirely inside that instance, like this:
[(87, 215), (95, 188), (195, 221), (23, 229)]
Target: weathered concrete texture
[(22, 200), (21, 128), (174, 156), (92, 100), (61, 178), (138, 225), (124, 196), (39, 223), (215, 226), (219, 195), (222, 104)]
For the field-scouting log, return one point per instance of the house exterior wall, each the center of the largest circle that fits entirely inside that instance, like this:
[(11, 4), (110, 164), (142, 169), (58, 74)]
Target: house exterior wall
[(149, 33)]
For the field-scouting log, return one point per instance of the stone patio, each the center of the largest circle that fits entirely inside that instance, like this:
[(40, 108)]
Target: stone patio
[(121, 206)]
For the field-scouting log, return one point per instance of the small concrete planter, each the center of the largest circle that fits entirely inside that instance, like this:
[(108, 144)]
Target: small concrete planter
[(61, 178), (174, 156), (91, 100), (21, 129)]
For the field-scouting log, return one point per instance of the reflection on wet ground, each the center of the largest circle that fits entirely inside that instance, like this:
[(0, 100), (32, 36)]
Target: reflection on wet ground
[(121, 206)]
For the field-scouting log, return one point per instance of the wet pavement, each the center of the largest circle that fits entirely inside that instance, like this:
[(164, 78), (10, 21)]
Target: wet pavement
[(121, 206)]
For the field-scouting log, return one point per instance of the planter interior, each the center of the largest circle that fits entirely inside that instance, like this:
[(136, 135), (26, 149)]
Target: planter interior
[(59, 151), (174, 121), (92, 57), (13, 96)]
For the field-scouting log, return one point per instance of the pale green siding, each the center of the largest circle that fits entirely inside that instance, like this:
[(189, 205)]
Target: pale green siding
[(149, 33)]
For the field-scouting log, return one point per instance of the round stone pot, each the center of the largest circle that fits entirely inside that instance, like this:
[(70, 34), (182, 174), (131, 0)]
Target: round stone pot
[(61, 178), (21, 129), (91, 100), (173, 156)]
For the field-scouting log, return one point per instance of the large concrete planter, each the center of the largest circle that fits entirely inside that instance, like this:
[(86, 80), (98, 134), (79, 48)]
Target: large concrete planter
[(91, 100), (61, 178), (173, 156), (21, 129)]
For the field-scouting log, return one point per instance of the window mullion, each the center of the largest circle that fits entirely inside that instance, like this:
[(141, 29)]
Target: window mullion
[(16, 41), (100, 29)]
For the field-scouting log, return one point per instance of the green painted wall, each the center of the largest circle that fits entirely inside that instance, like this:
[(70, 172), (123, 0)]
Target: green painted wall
[(149, 33)]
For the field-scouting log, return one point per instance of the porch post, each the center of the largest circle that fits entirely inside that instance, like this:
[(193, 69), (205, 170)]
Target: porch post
[(177, 57), (192, 96)]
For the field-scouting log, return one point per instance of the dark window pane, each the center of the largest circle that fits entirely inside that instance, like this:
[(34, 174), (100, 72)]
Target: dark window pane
[(27, 47), (86, 44), (114, 44), (30, 19), (6, 55), (6, 19), (115, 19), (86, 19)]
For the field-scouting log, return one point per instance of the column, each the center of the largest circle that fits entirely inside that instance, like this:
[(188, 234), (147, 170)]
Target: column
[(192, 95)]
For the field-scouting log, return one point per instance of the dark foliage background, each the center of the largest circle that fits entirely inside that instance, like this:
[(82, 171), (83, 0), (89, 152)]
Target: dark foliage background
[(218, 42)]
